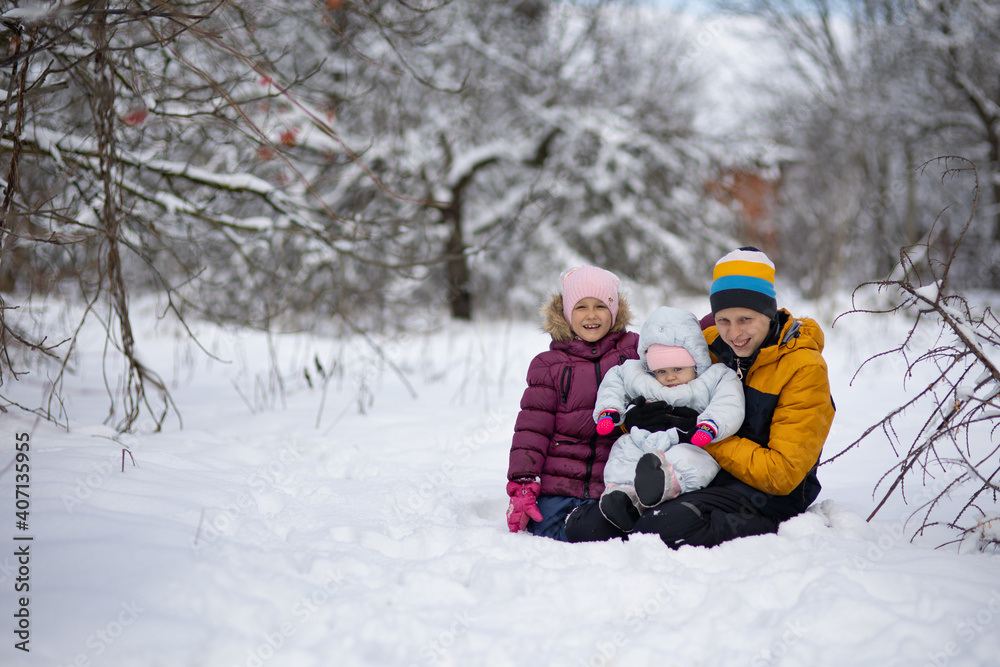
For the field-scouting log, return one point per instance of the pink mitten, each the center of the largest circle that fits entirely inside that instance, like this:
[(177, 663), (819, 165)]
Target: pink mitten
[(522, 504), (606, 422), (704, 434)]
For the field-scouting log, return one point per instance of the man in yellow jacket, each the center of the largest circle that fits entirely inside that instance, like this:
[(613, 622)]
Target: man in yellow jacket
[(769, 467)]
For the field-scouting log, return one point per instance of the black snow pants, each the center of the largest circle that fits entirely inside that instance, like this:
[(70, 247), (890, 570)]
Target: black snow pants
[(705, 517)]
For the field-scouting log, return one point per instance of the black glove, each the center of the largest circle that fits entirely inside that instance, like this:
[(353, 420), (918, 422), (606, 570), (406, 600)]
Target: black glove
[(684, 420), (659, 416), (651, 415)]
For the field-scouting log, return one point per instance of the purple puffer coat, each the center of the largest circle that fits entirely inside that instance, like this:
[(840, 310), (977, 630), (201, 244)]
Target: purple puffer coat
[(555, 437)]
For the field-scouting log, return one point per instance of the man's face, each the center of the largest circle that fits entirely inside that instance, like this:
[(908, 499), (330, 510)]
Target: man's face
[(742, 329)]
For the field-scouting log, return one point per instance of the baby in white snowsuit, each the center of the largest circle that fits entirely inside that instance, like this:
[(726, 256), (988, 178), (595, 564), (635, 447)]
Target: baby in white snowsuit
[(645, 469)]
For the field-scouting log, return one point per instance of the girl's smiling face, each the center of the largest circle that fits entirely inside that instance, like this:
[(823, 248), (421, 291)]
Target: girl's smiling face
[(591, 319)]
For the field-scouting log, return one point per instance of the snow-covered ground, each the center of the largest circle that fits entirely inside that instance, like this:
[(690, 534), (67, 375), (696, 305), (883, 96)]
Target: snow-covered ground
[(357, 518), (360, 521)]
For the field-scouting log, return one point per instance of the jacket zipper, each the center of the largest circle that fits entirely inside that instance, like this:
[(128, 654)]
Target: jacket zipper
[(593, 442), (565, 381)]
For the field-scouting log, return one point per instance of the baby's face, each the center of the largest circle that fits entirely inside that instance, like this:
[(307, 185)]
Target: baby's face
[(671, 377)]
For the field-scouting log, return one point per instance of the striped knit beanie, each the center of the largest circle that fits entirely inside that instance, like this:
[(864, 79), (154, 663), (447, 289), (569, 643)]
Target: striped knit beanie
[(584, 281), (744, 279)]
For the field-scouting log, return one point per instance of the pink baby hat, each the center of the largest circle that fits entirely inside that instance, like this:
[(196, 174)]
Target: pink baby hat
[(660, 356)]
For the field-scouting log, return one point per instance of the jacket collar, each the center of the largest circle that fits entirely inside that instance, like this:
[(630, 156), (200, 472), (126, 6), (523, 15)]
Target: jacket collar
[(784, 334), (582, 348)]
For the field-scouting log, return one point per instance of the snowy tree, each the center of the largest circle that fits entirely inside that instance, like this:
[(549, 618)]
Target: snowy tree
[(178, 148), (957, 72), (882, 87), (278, 164), (627, 187), (839, 150), (554, 135)]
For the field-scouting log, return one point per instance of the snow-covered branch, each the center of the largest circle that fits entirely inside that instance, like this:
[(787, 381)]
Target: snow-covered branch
[(957, 349)]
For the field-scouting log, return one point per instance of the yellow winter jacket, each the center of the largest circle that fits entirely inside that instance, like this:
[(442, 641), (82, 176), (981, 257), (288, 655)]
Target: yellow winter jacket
[(789, 412)]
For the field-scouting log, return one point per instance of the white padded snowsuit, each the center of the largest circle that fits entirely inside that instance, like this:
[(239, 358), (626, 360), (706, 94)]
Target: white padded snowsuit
[(716, 393)]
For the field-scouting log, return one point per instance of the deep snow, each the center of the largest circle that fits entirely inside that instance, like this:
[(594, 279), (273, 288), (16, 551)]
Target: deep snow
[(366, 527)]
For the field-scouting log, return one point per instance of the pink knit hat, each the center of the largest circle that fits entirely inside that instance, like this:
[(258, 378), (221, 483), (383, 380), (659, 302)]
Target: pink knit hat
[(584, 281), (660, 356)]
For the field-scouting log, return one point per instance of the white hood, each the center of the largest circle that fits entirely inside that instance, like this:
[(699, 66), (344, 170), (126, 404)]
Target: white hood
[(677, 328)]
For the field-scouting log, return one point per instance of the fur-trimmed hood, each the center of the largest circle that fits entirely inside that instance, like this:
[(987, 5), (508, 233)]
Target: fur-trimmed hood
[(556, 325)]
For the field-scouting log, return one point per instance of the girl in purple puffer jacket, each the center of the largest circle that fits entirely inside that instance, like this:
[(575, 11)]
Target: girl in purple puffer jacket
[(556, 457)]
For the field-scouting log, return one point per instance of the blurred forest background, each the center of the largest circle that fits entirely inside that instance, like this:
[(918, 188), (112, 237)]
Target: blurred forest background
[(371, 164)]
